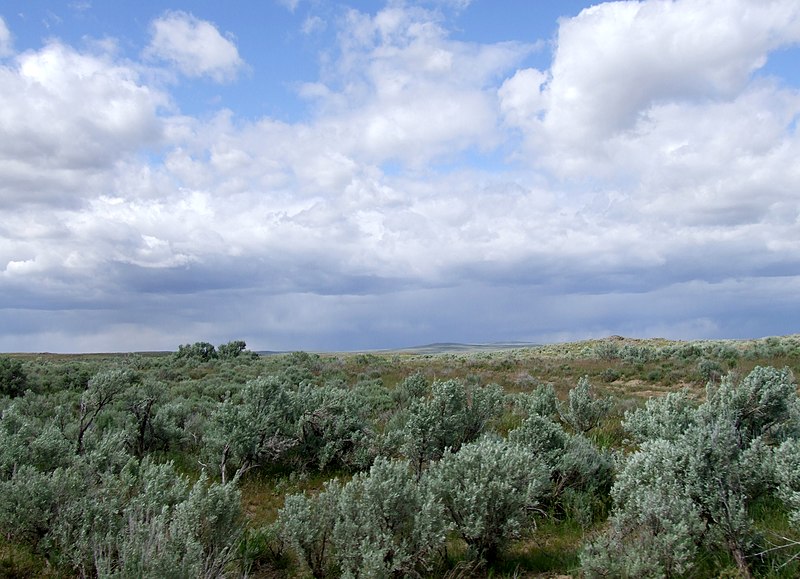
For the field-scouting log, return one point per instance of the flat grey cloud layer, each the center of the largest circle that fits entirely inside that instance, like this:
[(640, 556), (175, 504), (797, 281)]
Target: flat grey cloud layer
[(645, 184)]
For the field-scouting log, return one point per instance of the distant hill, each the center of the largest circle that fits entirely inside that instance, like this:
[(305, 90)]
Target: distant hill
[(435, 348), (453, 347)]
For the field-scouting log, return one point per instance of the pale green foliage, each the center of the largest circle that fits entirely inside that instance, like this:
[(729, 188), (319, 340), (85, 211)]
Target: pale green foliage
[(103, 389), (452, 416), (32, 501), (672, 495), (307, 524), (332, 429), (787, 466), (30, 440), (145, 520), (636, 354), (606, 350), (544, 438), (171, 529), (382, 523), (206, 526), (764, 403), (488, 489), (103, 512), (485, 404), (724, 476), (583, 410), (25, 504), (412, 387), (666, 417), (269, 421), (387, 525), (575, 464), (655, 534), (710, 370), (683, 489), (583, 467), (542, 401), (180, 423), (254, 427)]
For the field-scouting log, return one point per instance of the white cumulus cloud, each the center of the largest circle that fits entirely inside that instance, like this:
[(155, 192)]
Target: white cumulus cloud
[(614, 60), (402, 90), (66, 117), (195, 47)]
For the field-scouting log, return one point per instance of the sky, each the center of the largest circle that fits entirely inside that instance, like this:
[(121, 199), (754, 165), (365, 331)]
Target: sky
[(350, 175)]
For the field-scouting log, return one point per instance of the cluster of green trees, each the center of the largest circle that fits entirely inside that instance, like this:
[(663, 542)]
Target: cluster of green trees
[(136, 466)]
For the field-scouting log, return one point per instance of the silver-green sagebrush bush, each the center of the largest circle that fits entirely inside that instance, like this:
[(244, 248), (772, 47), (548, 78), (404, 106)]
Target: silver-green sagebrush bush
[(763, 404), (542, 437), (787, 467), (252, 428), (332, 429), (696, 473), (655, 525), (452, 416), (307, 521), (95, 508), (489, 490), (580, 472), (103, 390), (271, 421), (412, 386), (388, 524), (382, 523), (143, 521), (542, 401), (584, 410), (666, 417)]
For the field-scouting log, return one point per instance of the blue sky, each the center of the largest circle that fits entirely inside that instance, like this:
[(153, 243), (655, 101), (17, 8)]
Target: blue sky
[(317, 175)]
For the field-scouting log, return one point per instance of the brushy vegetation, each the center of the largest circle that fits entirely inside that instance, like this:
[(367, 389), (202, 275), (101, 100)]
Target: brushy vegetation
[(604, 458)]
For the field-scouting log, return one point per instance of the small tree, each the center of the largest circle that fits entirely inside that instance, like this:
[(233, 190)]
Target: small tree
[(199, 351), (231, 350)]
